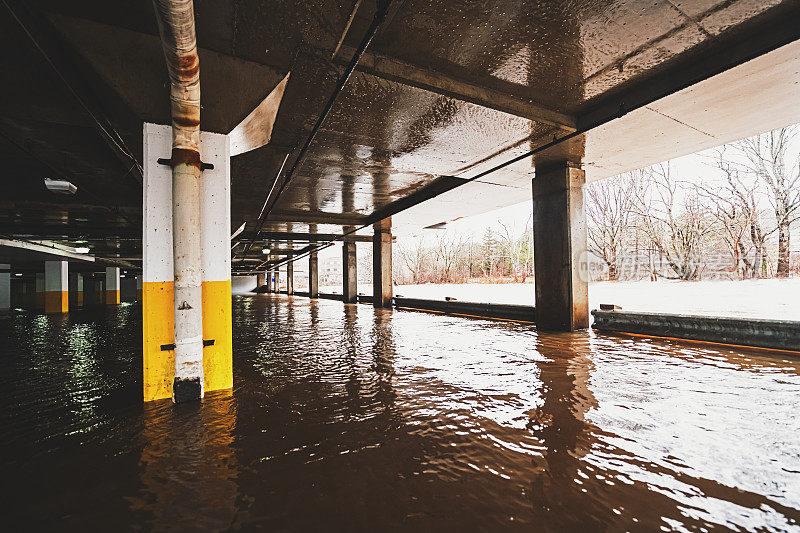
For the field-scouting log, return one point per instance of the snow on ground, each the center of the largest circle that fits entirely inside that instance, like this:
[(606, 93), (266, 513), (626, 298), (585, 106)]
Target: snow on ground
[(766, 298)]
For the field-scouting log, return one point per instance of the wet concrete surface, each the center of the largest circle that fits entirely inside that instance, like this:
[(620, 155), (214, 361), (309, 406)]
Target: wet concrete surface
[(351, 418)]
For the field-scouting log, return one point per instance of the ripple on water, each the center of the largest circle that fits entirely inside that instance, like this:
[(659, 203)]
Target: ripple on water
[(346, 417)]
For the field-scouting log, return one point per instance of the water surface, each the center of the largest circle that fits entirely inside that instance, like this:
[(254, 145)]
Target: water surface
[(348, 418)]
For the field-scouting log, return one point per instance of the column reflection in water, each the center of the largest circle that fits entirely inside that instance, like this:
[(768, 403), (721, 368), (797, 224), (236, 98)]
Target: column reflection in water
[(560, 425), (188, 468)]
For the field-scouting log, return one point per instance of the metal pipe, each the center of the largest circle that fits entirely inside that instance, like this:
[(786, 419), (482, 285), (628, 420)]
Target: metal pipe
[(176, 26)]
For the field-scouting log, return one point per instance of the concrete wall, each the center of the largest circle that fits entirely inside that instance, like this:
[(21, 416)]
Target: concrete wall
[(240, 284)]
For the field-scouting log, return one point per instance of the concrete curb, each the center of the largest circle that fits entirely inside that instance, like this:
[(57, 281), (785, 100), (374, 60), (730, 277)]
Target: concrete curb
[(759, 333)]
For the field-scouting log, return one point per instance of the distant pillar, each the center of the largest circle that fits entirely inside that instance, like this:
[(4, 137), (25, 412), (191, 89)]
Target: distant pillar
[(290, 277), (268, 280), (139, 288), (40, 291), (382, 263), (5, 287), (313, 275), (56, 283), (276, 282), (75, 290), (260, 280), (349, 274), (112, 286), (559, 239)]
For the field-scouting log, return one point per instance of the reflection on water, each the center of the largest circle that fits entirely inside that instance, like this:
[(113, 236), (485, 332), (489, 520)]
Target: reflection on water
[(351, 418)]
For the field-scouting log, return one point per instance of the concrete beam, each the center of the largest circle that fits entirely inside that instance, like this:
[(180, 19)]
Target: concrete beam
[(295, 236), (399, 71), (30, 251), (559, 240)]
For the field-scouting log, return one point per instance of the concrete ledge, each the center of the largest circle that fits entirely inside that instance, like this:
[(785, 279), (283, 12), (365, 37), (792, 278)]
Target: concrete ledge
[(330, 296), (775, 334), (365, 299), (525, 313)]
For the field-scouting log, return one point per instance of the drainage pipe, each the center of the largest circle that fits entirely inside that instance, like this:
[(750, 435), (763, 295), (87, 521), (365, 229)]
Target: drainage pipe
[(176, 26)]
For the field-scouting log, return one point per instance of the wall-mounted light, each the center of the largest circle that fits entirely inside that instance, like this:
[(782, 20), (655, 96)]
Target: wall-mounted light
[(60, 186), (265, 251)]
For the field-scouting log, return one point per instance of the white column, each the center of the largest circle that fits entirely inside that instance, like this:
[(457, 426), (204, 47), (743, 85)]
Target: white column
[(56, 283), (5, 287), (213, 367), (215, 225), (112, 286)]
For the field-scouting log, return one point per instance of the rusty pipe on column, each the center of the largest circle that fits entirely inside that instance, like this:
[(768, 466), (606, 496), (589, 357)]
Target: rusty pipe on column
[(179, 42)]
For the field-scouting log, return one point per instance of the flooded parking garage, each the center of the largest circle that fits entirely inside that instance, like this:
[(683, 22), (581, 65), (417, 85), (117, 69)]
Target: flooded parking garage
[(346, 417)]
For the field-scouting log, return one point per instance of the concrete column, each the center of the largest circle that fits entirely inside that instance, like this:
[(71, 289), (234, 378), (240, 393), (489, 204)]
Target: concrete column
[(199, 368), (559, 239), (290, 277), (139, 288), (40, 291), (276, 281), (349, 274), (268, 280), (75, 290), (382, 264), (5, 287), (112, 286), (313, 275), (56, 283), (260, 280)]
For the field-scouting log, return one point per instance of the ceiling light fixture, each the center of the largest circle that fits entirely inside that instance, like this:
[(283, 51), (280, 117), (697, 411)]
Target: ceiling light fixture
[(81, 250), (60, 186)]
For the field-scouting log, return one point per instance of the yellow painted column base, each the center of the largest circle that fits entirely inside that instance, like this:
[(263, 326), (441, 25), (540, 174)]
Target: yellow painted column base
[(218, 358), (112, 297), (56, 301), (158, 322), (158, 327)]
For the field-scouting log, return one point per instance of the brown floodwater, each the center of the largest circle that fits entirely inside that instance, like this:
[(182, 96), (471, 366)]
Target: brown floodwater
[(346, 418)]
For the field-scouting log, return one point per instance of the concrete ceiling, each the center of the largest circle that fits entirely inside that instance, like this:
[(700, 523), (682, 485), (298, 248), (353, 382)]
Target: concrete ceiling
[(447, 88)]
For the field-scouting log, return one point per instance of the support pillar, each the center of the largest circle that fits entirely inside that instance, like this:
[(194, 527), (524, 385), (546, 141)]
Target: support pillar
[(56, 283), (268, 280), (161, 370), (560, 248), (349, 274), (382, 263), (139, 288), (75, 290), (277, 282), (112, 286), (313, 275), (260, 280), (40, 291), (5, 288), (290, 278)]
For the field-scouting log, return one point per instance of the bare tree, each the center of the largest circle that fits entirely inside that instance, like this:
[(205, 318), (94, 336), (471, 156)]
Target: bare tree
[(608, 208), (414, 256), (765, 156), (735, 206), (516, 249), (677, 229)]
